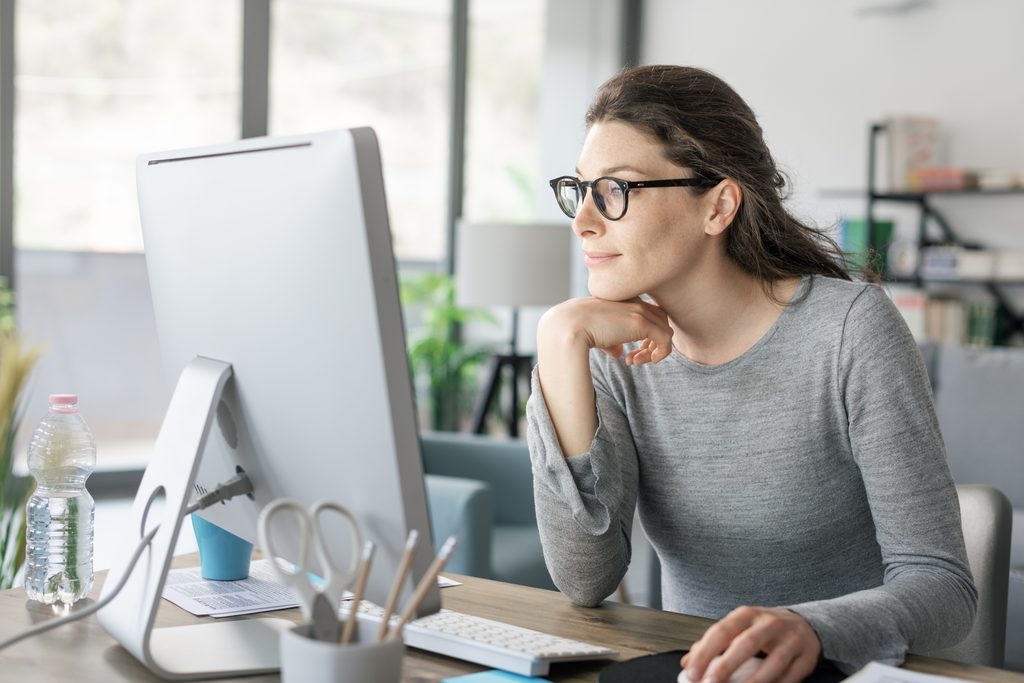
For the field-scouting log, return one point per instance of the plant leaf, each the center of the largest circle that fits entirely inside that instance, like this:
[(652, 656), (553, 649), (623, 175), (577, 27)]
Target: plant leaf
[(16, 364), (448, 365)]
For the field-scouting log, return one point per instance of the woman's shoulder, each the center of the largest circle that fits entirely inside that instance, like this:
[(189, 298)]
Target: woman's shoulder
[(829, 297), (833, 308), (833, 290), (857, 310)]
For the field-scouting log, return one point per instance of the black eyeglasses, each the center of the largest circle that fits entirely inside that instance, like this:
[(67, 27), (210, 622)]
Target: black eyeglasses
[(611, 195)]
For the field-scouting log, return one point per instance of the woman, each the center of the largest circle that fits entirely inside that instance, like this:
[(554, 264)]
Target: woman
[(770, 417)]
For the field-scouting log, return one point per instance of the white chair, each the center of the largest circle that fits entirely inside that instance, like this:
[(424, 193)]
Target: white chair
[(987, 521)]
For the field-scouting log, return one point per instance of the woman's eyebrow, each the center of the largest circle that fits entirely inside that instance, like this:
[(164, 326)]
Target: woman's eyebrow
[(615, 169)]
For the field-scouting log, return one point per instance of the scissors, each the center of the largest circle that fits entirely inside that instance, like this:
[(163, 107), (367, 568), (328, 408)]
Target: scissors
[(318, 604)]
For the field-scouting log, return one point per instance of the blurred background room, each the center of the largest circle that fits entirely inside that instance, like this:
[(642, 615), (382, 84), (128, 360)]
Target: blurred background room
[(898, 122)]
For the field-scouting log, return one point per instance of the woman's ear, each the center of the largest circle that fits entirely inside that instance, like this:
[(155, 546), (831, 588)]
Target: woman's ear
[(725, 199)]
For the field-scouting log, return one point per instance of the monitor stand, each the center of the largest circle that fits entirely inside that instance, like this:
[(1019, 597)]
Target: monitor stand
[(211, 650)]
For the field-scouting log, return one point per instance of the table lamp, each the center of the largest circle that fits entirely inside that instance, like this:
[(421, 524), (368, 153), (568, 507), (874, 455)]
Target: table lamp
[(509, 264)]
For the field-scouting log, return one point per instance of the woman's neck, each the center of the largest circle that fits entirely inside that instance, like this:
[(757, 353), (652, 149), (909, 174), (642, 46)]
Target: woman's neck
[(721, 312)]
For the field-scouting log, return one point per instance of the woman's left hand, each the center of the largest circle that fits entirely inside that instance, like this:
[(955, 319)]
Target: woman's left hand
[(791, 645)]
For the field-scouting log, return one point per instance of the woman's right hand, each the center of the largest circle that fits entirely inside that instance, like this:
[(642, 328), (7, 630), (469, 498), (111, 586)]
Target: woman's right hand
[(565, 336), (609, 325)]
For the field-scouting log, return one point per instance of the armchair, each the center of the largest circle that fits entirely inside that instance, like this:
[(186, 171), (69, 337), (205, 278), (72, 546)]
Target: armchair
[(482, 489)]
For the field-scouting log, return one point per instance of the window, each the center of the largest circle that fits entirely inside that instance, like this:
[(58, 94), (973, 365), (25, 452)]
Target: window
[(506, 53), (99, 82), (384, 64), (96, 84)]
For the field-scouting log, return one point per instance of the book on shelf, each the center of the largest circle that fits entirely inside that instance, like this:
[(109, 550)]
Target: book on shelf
[(914, 142), (958, 179), (946, 320), (941, 179), (860, 247), (1000, 180), (959, 263), (1009, 265), (915, 156), (912, 303)]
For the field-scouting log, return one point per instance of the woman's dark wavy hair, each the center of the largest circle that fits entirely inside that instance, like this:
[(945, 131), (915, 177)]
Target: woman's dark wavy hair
[(705, 126)]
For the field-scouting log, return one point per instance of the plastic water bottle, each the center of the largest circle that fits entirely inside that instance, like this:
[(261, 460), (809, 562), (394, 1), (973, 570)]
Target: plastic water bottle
[(61, 456)]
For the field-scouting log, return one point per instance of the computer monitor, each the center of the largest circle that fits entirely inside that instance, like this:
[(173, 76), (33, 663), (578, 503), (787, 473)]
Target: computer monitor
[(276, 302)]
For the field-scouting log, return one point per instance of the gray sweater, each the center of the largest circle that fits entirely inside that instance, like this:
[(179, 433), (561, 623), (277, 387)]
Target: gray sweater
[(807, 473)]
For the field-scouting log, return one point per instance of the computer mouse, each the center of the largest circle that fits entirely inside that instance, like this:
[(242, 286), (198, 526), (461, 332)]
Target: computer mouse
[(745, 671)]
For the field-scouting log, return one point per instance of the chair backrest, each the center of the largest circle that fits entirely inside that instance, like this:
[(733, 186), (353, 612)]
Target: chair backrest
[(502, 463), (978, 395), (987, 521)]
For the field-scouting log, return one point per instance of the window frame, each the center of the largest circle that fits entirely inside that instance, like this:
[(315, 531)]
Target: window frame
[(254, 111), (254, 104)]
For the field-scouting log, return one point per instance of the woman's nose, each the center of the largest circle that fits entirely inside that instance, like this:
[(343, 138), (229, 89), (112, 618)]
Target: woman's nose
[(588, 219)]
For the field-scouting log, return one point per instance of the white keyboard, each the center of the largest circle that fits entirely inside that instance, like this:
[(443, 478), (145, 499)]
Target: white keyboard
[(485, 641)]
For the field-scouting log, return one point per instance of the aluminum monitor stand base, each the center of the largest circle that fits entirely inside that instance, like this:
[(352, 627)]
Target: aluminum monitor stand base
[(215, 650)]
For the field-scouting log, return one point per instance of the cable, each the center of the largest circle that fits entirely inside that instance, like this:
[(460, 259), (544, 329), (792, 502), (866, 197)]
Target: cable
[(236, 486), (81, 614)]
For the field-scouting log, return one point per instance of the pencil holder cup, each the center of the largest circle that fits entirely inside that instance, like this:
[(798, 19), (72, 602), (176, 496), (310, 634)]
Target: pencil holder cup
[(222, 555), (307, 660)]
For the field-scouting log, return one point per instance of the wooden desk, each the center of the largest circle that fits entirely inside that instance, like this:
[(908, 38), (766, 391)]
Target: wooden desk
[(82, 652)]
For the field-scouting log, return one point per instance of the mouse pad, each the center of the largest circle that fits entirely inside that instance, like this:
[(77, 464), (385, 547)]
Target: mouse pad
[(664, 668)]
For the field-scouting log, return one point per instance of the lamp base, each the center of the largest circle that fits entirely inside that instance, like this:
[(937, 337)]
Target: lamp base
[(520, 366)]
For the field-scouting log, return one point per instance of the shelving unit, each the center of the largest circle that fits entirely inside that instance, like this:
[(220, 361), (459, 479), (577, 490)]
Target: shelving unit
[(1011, 320)]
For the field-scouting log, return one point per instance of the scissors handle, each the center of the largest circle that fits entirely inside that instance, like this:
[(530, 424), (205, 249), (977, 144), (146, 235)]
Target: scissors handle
[(297, 580), (336, 579)]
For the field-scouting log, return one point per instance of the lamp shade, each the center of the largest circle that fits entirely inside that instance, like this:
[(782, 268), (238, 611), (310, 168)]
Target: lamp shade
[(508, 264)]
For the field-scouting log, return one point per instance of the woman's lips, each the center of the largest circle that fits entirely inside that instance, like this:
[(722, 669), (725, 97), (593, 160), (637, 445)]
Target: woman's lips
[(596, 258)]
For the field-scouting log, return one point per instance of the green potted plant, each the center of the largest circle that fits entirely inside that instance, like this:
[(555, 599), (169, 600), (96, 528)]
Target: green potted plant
[(436, 353), (16, 363)]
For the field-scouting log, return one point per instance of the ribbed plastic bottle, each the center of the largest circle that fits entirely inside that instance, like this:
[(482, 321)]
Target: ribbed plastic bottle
[(61, 456)]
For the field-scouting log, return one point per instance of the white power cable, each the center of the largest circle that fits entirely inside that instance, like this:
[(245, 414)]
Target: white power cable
[(237, 485), (95, 607)]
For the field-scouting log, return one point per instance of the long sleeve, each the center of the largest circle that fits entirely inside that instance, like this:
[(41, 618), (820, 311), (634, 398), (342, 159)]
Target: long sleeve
[(584, 503), (927, 599), (808, 472)]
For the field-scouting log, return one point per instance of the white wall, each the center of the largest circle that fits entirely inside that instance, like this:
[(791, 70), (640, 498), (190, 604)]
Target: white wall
[(818, 73)]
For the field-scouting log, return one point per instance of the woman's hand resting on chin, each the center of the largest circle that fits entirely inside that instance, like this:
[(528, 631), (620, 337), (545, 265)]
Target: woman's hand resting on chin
[(609, 325), (566, 334)]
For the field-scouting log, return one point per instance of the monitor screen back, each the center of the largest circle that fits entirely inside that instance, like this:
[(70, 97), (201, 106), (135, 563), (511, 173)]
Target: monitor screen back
[(274, 254)]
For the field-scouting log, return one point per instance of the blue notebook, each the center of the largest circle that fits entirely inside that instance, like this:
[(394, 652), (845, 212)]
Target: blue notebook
[(492, 677)]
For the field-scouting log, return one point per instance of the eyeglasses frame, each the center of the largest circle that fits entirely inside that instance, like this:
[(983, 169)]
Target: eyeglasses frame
[(627, 185)]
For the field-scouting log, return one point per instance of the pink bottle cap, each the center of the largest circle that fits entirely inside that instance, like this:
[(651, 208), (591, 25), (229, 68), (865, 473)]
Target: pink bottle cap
[(64, 403)]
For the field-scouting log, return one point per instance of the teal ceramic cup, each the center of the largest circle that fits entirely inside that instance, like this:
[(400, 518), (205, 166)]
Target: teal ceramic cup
[(222, 555)]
